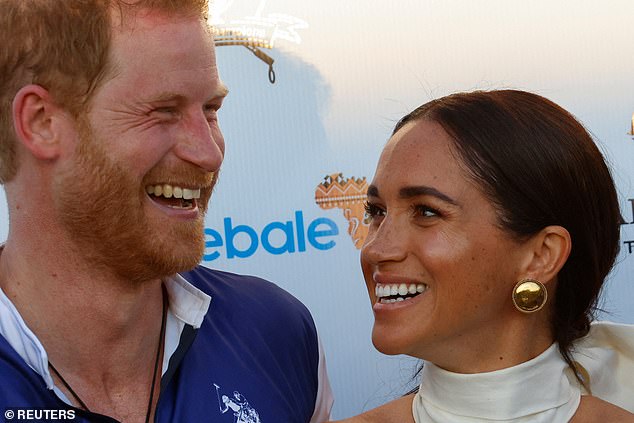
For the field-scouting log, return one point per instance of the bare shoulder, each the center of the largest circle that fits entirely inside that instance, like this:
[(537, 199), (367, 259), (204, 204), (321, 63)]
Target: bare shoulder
[(397, 411), (593, 409)]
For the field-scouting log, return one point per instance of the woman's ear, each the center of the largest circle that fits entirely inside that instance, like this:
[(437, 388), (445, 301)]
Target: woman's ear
[(36, 119), (549, 249)]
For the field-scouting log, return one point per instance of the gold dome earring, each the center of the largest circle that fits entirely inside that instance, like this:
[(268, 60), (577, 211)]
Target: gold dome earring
[(529, 295)]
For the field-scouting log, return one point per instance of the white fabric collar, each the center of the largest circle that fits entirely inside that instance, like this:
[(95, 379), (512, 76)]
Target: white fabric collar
[(188, 305), (607, 356), (539, 390), (186, 302)]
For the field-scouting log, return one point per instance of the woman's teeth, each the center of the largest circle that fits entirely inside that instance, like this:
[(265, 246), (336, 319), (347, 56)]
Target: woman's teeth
[(392, 293)]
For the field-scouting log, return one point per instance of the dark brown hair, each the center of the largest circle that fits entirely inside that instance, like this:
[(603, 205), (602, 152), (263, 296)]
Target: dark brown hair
[(539, 167)]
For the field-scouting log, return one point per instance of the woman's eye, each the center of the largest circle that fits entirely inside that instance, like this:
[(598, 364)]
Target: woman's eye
[(421, 210), (372, 211)]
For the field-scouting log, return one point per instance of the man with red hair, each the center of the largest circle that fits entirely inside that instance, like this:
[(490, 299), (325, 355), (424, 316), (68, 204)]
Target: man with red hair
[(109, 151)]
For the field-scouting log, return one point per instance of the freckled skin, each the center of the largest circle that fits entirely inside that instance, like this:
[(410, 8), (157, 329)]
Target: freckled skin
[(469, 264)]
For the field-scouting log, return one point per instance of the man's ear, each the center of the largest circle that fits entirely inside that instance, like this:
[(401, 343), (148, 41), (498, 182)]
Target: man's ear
[(550, 249), (37, 121)]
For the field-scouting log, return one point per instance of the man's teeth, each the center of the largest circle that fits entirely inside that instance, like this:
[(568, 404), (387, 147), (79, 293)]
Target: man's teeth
[(169, 191), (398, 292)]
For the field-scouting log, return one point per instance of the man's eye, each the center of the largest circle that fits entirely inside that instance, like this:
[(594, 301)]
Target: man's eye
[(211, 112), (165, 111), (165, 114)]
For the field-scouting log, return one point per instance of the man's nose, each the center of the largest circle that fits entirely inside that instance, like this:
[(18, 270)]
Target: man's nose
[(201, 143)]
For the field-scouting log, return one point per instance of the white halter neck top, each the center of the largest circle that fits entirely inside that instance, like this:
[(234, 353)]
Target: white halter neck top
[(540, 390), (543, 389)]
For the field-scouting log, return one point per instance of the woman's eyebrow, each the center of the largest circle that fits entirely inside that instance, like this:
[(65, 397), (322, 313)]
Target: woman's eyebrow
[(416, 191), (373, 191), (409, 192)]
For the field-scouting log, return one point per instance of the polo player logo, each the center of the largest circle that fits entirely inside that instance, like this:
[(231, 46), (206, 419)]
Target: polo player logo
[(239, 406)]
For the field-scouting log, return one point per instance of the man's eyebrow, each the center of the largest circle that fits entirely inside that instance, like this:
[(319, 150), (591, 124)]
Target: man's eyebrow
[(219, 94), (167, 96), (416, 191), (373, 191)]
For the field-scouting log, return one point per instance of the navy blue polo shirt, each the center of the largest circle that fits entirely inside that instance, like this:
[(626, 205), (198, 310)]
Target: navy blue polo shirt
[(237, 349)]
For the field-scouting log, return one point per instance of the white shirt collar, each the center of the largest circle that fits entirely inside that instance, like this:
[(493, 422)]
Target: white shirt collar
[(186, 302), (188, 305)]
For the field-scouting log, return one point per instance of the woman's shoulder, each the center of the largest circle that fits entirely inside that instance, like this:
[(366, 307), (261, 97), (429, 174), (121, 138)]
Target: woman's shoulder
[(397, 411), (593, 409)]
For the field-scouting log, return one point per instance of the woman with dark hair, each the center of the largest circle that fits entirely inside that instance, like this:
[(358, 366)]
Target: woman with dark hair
[(494, 222)]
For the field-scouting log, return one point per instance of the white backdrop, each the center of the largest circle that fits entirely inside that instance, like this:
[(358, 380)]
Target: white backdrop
[(355, 68)]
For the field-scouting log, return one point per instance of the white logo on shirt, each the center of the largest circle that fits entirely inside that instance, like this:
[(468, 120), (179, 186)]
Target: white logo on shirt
[(242, 410)]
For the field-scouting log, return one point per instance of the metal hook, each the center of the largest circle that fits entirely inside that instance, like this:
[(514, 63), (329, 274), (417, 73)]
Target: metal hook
[(271, 74), (266, 59)]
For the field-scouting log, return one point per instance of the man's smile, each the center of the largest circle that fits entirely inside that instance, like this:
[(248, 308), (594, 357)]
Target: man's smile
[(174, 196)]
